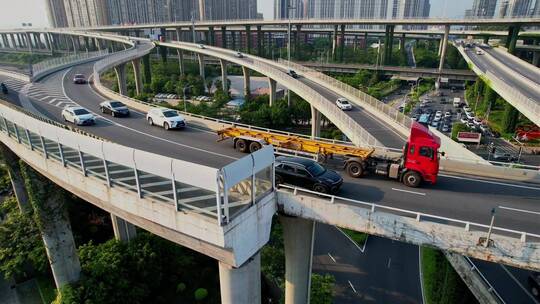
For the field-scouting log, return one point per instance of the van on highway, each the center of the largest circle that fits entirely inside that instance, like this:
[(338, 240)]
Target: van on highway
[(457, 102)]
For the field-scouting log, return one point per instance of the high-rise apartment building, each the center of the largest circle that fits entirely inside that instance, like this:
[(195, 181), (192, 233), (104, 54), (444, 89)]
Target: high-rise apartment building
[(483, 8), (536, 9), (347, 9), (85, 13), (227, 9), (298, 11), (411, 9), (137, 11), (515, 8), (56, 13)]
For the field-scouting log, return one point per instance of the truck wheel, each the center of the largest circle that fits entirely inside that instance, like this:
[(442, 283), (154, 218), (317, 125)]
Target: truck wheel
[(412, 179), (241, 146), (320, 188), (355, 169), (254, 146)]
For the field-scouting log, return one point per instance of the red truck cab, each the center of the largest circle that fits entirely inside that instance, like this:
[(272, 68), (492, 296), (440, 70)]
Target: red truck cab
[(421, 156)]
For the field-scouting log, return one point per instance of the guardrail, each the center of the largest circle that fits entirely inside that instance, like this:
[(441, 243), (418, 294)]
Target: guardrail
[(41, 69), (402, 122), (419, 216), (219, 193), (486, 283)]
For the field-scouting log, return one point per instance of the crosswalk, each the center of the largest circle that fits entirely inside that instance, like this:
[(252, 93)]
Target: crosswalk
[(39, 92)]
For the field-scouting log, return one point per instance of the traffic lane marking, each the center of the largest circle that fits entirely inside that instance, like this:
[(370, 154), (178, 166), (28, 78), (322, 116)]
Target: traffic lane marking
[(519, 284), (352, 287), (519, 210), (490, 182), (332, 257), (408, 191)]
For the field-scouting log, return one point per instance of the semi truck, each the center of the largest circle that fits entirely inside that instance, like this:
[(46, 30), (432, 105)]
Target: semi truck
[(417, 162)]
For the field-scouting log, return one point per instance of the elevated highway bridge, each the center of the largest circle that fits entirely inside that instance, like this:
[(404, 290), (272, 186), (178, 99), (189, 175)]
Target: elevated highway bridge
[(214, 209)]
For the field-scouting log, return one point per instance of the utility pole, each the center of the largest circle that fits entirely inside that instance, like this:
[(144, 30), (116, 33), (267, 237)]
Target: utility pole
[(289, 8)]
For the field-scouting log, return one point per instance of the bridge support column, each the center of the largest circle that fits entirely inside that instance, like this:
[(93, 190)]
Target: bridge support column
[(486, 39), (224, 37), (178, 31), (147, 71), (334, 43), (272, 86), (247, 82), (28, 40), (248, 39), (180, 54), (211, 36), (136, 63), (315, 122), (444, 47), (297, 38), (224, 79), (260, 38), (75, 51), (241, 285), (342, 43), (17, 181), (123, 230), (121, 77), (440, 46), (48, 201), (200, 57), (388, 44), (536, 58), (298, 237), (513, 34)]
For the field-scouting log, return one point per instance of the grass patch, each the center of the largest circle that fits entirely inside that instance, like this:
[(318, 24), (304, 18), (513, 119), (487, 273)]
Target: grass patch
[(358, 237), (442, 285), (47, 289)]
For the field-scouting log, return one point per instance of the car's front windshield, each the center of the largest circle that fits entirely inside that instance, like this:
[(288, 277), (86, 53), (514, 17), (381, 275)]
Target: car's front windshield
[(116, 104), (345, 102), (80, 112), (316, 169), (170, 114)]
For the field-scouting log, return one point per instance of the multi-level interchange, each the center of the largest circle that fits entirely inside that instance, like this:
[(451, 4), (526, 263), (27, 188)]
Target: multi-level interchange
[(200, 193)]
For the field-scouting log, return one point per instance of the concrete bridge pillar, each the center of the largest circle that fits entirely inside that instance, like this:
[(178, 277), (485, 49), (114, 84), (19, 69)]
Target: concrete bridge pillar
[(48, 43), (272, 86), (136, 63), (260, 38), (298, 237), (180, 54), (123, 230), (211, 36), (121, 77), (241, 285), (440, 47), (48, 201), (20, 40), (233, 40), (297, 38), (28, 42), (97, 43), (224, 79), (247, 82), (402, 42), (200, 57), (147, 71), (248, 39), (178, 31), (536, 58), (315, 122), (17, 181), (486, 39), (75, 51), (224, 37), (334, 43), (342, 43), (388, 44), (513, 33), (444, 47)]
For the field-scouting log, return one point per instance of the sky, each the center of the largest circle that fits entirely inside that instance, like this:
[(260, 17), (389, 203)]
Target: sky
[(15, 12)]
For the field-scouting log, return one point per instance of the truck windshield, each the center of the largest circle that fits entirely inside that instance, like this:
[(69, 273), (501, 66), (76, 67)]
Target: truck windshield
[(316, 169)]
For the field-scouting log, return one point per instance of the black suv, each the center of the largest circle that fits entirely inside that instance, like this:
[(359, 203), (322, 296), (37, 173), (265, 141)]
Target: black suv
[(307, 174), (534, 284)]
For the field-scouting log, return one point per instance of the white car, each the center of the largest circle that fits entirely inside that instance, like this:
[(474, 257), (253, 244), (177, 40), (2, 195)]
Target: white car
[(78, 115), (239, 55), (447, 114), (343, 104), (201, 46), (477, 121), (466, 109), (479, 52), (167, 118)]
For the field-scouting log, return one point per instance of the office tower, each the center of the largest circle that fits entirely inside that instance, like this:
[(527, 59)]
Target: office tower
[(411, 9), (227, 9), (536, 9), (347, 9), (56, 13)]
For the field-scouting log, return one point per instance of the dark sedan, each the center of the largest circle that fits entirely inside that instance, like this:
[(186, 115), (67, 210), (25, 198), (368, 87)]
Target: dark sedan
[(115, 108), (307, 174)]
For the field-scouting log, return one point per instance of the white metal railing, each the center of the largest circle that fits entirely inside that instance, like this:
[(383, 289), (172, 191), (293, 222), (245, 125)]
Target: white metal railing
[(419, 216), (360, 98), (486, 283), (53, 63)]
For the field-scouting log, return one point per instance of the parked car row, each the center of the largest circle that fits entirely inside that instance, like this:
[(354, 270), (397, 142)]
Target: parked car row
[(202, 98), (166, 96)]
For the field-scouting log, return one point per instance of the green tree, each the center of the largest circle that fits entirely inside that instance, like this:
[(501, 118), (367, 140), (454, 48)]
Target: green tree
[(20, 241), (510, 118), (322, 289)]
